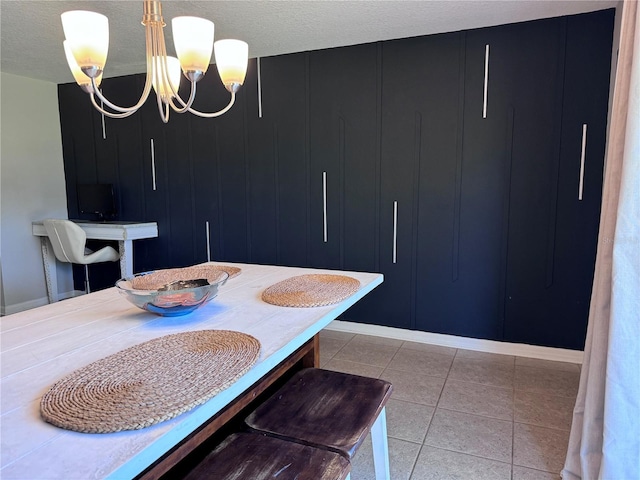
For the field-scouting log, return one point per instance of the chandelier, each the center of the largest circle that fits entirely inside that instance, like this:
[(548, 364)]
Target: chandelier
[(87, 42)]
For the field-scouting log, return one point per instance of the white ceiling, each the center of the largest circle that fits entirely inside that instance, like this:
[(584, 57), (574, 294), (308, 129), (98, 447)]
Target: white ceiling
[(31, 33)]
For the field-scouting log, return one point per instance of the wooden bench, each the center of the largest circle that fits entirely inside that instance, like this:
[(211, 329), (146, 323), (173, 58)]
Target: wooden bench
[(254, 456), (330, 410)]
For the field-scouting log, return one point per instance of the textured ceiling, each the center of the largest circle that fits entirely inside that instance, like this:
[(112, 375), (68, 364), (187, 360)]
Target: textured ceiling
[(31, 32)]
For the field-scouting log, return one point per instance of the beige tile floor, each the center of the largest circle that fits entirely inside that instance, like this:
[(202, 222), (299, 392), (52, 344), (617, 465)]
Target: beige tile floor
[(458, 414)]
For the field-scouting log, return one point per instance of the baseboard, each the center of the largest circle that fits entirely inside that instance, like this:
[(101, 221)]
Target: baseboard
[(490, 346), (38, 302)]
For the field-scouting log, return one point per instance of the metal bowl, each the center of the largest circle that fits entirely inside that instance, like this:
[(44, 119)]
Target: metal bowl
[(175, 298)]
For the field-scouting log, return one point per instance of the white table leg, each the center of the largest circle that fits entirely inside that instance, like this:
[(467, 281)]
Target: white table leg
[(50, 272), (380, 446), (126, 257)]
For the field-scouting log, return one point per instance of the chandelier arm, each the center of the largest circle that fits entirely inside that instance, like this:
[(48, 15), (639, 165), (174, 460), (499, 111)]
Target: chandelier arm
[(164, 110), (107, 112), (161, 74), (148, 84), (164, 68), (162, 47), (158, 69), (218, 113), (185, 106), (143, 97)]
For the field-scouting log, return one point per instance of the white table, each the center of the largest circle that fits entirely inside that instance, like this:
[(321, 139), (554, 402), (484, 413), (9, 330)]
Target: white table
[(42, 345), (122, 232)]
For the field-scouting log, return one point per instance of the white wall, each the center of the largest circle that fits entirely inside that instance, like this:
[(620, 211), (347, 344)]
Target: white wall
[(32, 187)]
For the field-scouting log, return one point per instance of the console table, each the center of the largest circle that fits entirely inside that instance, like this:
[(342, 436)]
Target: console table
[(43, 345), (122, 232)]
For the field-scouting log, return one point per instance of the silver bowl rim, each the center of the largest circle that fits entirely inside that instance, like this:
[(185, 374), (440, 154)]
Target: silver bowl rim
[(134, 291)]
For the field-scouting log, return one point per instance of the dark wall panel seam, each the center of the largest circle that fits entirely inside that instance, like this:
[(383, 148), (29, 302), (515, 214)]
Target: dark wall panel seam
[(196, 229), (343, 184), (506, 214), (378, 160), (247, 177), (167, 200), (95, 145), (142, 176), (457, 194), (554, 169), (307, 154), (220, 196), (97, 142), (417, 153), (117, 175), (276, 182), (73, 176)]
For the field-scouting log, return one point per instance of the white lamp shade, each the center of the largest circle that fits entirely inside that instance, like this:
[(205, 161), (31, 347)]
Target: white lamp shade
[(193, 40), (173, 76), (78, 74), (88, 37), (231, 60)]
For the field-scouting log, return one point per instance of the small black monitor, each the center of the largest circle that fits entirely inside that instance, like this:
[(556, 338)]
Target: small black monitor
[(97, 199)]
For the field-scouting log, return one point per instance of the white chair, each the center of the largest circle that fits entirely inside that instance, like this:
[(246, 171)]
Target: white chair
[(69, 245)]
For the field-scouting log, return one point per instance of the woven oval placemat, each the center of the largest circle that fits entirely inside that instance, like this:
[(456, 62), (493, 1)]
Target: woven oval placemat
[(160, 278), (150, 382), (314, 290)]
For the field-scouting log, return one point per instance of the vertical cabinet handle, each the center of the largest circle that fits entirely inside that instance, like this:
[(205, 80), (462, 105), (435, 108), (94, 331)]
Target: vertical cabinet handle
[(206, 226), (395, 231), (583, 152), (324, 205), (486, 80), (153, 165), (104, 127), (259, 89)]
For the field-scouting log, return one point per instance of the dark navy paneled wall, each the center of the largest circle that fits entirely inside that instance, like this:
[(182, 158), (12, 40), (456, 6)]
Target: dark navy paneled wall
[(451, 163)]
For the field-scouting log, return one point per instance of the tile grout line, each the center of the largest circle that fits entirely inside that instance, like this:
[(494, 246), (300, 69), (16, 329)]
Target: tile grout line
[(488, 417), (392, 357), (435, 408), (415, 462), (472, 455)]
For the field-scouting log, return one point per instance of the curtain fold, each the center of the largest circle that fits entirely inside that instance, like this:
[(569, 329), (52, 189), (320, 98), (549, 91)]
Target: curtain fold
[(605, 434)]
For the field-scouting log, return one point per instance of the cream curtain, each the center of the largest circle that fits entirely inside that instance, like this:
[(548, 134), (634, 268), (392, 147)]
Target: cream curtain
[(605, 434)]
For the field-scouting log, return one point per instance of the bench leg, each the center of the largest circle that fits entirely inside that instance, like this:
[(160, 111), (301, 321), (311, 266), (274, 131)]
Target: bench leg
[(380, 446)]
